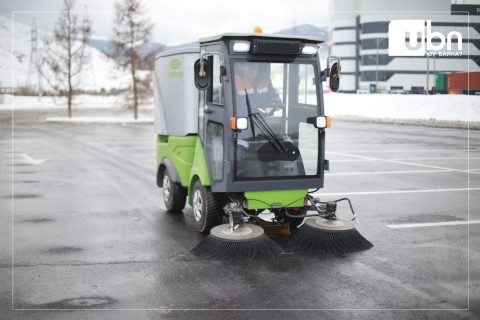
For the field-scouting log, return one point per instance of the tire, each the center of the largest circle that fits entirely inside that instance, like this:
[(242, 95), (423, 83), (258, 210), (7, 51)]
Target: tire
[(174, 195), (207, 208)]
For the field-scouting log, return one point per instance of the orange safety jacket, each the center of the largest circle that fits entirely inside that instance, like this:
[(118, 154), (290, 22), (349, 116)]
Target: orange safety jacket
[(260, 94)]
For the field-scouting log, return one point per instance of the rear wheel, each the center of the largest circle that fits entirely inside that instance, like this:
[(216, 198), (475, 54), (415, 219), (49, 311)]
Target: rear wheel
[(174, 195), (207, 208)]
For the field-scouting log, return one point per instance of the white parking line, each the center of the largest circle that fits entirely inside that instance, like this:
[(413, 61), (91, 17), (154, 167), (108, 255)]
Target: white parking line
[(352, 160), (406, 159), (385, 172), (431, 224), (402, 162), (392, 192), (406, 150)]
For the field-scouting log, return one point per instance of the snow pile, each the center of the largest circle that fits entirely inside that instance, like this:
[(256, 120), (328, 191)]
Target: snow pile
[(386, 107)]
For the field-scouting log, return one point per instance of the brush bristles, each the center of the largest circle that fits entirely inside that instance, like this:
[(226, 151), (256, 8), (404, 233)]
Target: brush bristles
[(315, 240), (260, 248)]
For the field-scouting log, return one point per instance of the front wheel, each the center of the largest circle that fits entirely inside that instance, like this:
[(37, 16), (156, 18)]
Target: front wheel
[(174, 195), (207, 208)]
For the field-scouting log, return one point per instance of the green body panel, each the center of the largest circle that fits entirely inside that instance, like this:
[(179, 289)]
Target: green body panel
[(180, 151), (276, 199), (186, 154)]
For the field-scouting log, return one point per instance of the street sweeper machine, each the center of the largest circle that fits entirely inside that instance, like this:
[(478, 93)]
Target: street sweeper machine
[(241, 133)]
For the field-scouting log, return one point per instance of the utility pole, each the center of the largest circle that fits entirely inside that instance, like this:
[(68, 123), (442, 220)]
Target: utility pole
[(428, 70), (34, 61)]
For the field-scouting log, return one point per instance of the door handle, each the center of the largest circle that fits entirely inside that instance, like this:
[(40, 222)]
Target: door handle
[(208, 110)]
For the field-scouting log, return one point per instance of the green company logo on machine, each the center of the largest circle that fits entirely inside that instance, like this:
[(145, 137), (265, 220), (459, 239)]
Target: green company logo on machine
[(175, 64)]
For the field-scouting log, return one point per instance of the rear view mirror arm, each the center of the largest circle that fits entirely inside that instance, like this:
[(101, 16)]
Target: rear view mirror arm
[(202, 72)]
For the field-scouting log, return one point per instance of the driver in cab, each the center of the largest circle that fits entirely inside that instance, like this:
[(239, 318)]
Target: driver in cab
[(254, 94), (253, 81)]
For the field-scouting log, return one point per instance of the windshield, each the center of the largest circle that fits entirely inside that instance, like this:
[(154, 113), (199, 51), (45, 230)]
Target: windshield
[(277, 99)]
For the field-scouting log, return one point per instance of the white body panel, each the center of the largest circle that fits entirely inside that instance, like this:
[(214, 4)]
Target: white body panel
[(175, 94)]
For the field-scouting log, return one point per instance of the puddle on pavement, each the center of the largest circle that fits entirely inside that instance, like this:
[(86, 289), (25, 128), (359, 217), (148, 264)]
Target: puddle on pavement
[(22, 196), (38, 220), (63, 250), (86, 302), (75, 303)]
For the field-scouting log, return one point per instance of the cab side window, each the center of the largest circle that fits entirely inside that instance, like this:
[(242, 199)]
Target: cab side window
[(215, 92)]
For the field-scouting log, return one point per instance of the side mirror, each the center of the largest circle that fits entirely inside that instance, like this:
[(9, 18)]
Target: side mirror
[(334, 82), (202, 76), (334, 74)]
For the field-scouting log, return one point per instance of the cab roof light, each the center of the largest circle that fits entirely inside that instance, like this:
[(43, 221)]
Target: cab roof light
[(241, 46), (309, 49)]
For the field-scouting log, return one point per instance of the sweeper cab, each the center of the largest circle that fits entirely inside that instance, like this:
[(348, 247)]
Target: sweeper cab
[(241, 131)]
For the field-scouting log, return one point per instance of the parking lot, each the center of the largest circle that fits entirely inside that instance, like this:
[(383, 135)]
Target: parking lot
[(84, 225)]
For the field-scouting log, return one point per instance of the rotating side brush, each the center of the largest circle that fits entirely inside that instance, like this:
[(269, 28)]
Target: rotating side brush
[(237, 241), (328, 234)]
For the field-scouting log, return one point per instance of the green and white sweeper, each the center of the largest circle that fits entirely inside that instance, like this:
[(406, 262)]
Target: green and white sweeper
[(241, 132)]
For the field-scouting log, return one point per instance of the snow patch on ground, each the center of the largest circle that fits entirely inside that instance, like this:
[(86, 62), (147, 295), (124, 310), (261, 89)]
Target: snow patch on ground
[(438, 110), (458, 111)]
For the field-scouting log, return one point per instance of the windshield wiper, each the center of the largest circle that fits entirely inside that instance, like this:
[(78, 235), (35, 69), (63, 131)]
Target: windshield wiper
[(257, 119), (249, 110)]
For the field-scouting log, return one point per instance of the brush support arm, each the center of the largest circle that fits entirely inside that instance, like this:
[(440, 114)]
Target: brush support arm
[(235, 215), (328, 209)]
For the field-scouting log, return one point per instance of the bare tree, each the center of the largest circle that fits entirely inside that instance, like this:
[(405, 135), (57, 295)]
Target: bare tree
[(65, 53), (131, 29)]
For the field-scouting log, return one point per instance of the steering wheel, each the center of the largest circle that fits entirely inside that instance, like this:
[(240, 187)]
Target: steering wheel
[(270, 109)]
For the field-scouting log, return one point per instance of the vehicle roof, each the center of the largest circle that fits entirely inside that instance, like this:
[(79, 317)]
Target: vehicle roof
[(260, 35), (178, 51)]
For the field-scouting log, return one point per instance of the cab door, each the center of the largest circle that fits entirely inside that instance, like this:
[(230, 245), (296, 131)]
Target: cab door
[(211, 121)]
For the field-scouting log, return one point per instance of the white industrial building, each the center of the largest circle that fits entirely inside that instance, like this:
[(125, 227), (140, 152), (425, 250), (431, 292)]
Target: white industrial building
[(359, 35)]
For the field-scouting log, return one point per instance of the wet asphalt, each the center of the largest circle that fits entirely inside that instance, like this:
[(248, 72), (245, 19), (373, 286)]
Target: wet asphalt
[(89, 237)]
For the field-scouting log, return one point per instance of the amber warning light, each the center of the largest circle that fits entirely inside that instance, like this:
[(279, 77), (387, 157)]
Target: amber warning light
[(239, 123)]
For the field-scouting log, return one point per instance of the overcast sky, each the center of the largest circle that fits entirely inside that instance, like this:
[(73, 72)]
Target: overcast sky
[(180, 21)]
